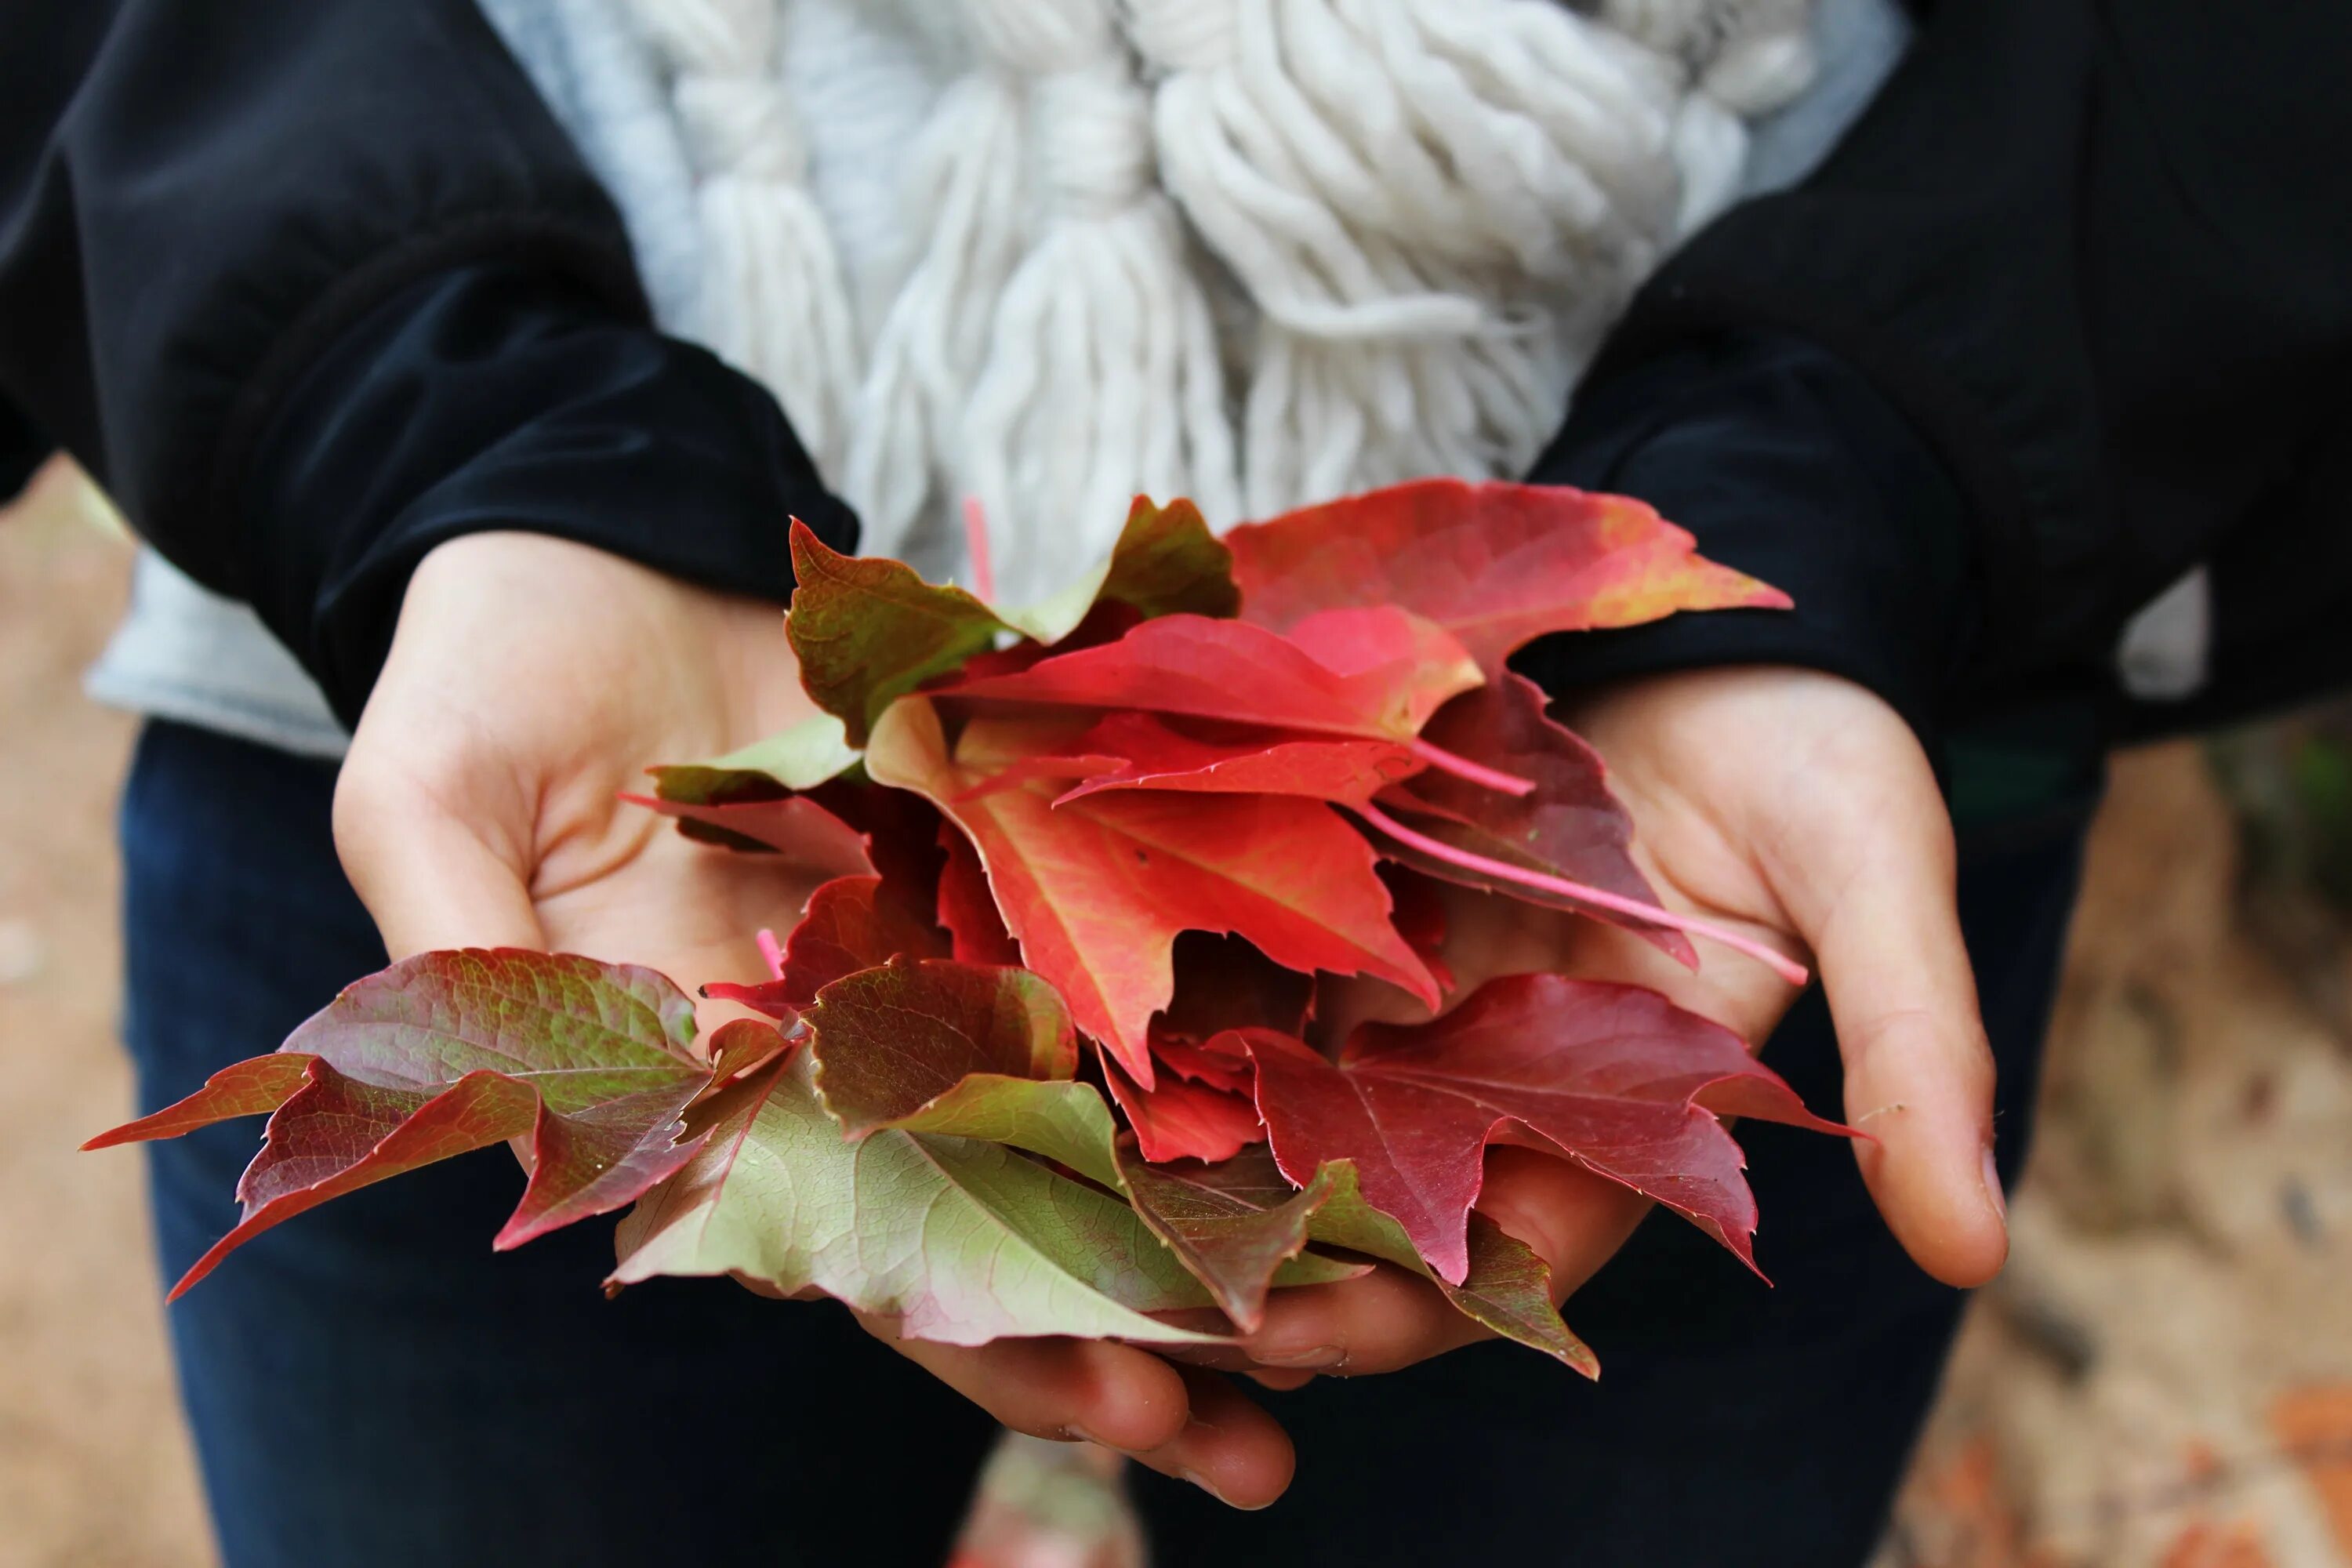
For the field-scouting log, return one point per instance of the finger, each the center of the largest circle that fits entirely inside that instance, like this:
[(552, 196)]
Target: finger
[(1091, 1390), (429, 878), (1280, 1381), (1230, 1449), (1572, 1219), (1389, 1318), (1192, 1423), (1918, 1070)]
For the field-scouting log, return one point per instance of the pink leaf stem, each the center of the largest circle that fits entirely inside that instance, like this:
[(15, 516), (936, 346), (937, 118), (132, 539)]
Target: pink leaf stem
[(1786, 968)]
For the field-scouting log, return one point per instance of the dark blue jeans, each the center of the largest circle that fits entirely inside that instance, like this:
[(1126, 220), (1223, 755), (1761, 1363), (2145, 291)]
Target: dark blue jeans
[(371, 1387)]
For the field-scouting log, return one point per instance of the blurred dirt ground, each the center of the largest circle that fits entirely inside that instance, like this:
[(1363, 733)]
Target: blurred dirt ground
[(2163, 1379), (95, 1470)]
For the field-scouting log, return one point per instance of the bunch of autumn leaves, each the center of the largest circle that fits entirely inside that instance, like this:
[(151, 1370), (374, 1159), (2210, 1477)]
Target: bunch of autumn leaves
[(1037, 1057)]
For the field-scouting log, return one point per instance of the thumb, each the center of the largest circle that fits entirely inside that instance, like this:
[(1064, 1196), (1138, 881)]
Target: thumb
[(432, 877), (1918, 1070)]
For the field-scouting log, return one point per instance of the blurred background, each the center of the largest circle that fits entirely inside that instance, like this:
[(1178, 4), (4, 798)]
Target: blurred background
[(2163, 1377)]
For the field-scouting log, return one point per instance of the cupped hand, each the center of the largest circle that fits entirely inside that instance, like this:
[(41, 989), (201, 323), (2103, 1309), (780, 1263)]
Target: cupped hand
[(530, 681), (1793, 807)]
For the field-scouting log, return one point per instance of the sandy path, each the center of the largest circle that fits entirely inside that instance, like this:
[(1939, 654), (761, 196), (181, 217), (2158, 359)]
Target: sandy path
[(95, 1469)]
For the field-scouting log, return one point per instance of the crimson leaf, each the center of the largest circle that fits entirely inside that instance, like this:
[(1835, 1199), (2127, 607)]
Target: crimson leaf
[(1568, 827), (1495, 564), (1097, 890), (1389, 672), (1617, 1079)]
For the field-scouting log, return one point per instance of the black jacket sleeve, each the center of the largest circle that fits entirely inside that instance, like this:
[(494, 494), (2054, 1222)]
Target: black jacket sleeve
[(310, 285), (2095, 257), (22, 450), (1791, 466)]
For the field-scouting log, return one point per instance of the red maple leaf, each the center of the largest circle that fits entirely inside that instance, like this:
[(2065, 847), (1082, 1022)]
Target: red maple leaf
[(1097, 890), (1147, 751), (1184, 1117), (1613, 1077), (1388, 672), (1568, 827), (1495, 565), (851, 923)]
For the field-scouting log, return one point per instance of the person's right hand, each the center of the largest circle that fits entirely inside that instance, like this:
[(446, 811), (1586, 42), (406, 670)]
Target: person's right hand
[(1799, 810), (528, 682)]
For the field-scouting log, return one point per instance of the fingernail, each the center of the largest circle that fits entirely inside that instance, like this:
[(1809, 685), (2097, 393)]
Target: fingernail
[(1080, 1434), (1992, 1186), (1206, 1485), (1309, 1359)]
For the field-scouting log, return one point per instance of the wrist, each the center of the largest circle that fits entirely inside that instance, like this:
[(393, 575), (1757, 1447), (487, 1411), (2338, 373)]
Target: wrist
[(1786, 463), (497, 399)]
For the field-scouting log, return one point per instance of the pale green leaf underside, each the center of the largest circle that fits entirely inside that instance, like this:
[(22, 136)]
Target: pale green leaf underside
[(964, 1241), (1067, 1123), (801, 757)]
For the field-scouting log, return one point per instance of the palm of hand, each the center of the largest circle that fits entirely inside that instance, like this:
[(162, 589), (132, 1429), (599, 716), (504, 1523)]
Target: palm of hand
[(1796, 807), (530, 682)]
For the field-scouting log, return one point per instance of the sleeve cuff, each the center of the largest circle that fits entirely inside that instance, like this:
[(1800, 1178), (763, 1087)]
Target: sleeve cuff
[(1785, 463), (23, 450), (494, 397)]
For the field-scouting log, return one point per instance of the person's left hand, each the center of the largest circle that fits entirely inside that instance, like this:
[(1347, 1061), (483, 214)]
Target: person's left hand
[(528, 680), (1795, 807)]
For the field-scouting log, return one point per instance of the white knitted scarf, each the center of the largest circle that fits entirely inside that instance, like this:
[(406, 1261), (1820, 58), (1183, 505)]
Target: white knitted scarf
[(1257, 252)]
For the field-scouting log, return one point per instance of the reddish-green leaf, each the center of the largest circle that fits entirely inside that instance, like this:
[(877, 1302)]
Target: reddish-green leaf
[(1166, 562), (754, 799), (251, 1087), (1096, 891), (1213, 757), (1387, 679), (1495, 564), (1234, 1223), (867, 630), (851, 923), (337, 1134), (794, 826), (1180, 1118), (740, 1045), (807, 754), (890, 1040), (1506, 1288), (452, 1051), (1568, 827), (1230, 1219), (1617, 1079)]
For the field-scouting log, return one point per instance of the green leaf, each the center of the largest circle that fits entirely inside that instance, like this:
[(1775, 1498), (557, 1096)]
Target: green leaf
[(1064, 1121), (962, 1241), (800, 758), (869, 630), (1166, 562)]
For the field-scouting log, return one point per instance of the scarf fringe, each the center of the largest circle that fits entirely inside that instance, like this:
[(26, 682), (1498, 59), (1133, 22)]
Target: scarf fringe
[(1259, 252)]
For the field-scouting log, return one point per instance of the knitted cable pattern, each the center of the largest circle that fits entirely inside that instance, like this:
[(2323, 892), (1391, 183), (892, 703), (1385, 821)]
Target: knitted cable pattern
[(1259, 252)]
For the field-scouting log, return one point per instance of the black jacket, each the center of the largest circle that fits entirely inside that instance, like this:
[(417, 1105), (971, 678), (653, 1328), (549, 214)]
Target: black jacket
[(315, 287)]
